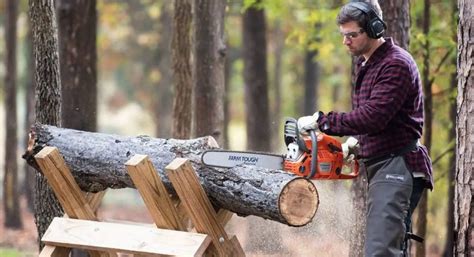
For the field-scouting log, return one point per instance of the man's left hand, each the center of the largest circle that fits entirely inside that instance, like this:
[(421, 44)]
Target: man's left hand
[(307, 123)]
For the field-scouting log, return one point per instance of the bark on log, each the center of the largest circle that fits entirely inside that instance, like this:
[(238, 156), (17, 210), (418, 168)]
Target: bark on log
[(97, 162)]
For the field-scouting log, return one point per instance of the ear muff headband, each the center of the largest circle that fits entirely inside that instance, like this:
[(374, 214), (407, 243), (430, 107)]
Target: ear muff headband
[(375, 26)]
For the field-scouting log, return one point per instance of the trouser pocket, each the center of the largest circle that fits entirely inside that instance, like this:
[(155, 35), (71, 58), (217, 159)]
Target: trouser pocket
[(388, 201)]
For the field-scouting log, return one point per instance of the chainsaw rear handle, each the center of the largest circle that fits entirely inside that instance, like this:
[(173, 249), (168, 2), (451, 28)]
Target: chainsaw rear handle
[(353, 174)]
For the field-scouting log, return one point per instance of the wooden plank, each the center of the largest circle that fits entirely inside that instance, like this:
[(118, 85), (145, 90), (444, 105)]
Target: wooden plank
[(66, 190), (239, 252), (224, 216), (124, 238), (95, 199), (63, 184), (198, 206), (153, 192), (53, 251)]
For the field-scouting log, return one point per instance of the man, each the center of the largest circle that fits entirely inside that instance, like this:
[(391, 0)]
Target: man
[(387, 119)]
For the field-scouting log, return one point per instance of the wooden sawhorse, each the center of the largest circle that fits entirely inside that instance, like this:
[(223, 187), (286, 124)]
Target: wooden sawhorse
[(171, 236)]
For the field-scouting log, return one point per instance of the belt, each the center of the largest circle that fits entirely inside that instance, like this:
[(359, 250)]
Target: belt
[(412, 146)]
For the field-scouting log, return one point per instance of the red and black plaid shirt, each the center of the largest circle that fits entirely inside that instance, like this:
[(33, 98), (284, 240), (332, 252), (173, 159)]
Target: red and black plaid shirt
[(387, 104)]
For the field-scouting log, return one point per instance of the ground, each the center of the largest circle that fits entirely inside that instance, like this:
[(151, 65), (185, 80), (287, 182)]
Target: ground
[(326, 236), (267, 238)]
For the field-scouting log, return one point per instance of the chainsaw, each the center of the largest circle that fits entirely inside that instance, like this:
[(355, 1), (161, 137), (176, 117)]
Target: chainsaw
[(316, 156)]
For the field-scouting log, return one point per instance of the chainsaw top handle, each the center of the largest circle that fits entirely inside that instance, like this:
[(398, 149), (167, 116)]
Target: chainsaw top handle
[(314, 153)]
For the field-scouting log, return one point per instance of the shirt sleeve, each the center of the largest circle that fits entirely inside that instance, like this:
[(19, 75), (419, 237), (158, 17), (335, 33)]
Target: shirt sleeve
[(386, 98)]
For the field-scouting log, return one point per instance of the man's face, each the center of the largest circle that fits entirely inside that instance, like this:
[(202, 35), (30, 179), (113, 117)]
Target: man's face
[(354, 38)]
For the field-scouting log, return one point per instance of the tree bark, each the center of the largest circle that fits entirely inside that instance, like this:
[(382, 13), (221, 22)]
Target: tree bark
[(10, 178), (97, 161), (48, 99), (311, 82), (256, 81), (464, 215), (77, 22), (29, 181), (276, 121), (182, 69), (359, 198), (164, 94), (209, 53), (449, 243), (421, 222), (78, 52), (396, 13)]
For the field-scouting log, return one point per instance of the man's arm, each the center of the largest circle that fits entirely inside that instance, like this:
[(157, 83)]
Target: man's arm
[(386, 98)]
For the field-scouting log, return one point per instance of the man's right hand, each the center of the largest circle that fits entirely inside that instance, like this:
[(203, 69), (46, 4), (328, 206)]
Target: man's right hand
[(350, 149)]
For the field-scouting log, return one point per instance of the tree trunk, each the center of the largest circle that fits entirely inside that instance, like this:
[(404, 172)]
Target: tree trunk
[(29, 181), (227, 75), (209, 53), (11, 201), (464, 215), (182, 69), (428, 128), (164, 93), (276, 121), (255, 77), (449, 244), (97, 162), (359, 198), (48, 95), (257, 111), (77, 30), (396, 13), (311, 82), (77, 22)]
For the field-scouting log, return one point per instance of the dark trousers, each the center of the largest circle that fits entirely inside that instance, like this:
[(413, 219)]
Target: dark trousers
[(393, 194)]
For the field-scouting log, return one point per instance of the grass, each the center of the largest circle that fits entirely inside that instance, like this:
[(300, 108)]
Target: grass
[(8, 252), (11, 252)]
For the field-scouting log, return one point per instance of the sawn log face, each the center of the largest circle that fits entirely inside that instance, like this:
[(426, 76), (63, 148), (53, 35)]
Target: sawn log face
[(97, 161)]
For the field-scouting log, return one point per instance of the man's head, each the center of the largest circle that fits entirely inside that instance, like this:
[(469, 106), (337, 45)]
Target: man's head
[(361, 25)]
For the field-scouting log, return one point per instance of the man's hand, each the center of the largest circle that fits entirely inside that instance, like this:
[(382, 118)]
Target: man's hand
[(350, 149), (307, 123)]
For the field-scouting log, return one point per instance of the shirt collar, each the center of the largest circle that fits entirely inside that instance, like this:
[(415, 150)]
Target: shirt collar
[(379, 53)]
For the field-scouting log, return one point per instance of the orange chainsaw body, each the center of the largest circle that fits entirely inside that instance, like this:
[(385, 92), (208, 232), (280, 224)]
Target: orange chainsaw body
[(330, 163)]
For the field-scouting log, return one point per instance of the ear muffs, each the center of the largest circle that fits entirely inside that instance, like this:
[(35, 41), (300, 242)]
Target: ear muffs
[(375, 26)]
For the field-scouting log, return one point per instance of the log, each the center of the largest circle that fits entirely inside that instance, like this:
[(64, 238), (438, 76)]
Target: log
[(97, 162)]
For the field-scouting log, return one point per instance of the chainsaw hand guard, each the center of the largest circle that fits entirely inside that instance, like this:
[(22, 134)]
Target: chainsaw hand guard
[(292, 135)]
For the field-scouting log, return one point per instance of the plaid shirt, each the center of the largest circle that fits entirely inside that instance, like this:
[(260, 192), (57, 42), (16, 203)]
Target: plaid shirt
[(387, 105)]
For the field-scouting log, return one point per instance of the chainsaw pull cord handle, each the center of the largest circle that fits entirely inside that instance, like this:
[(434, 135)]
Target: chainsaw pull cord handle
[(314, 153)]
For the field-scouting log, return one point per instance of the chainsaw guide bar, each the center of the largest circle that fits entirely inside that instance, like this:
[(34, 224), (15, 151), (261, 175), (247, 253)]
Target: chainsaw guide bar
[(229, 159)]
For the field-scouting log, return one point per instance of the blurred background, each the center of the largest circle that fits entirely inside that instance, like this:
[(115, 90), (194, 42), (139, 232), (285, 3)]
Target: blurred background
[(306, 69)]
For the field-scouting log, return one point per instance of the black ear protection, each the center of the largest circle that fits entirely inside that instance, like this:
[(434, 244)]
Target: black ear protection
[(375, 26)]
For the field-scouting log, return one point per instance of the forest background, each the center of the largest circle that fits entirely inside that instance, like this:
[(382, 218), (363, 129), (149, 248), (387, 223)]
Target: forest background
[(307, 69)]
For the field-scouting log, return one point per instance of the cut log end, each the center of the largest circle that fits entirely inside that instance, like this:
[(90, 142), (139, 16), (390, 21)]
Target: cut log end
[(296, 197)]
